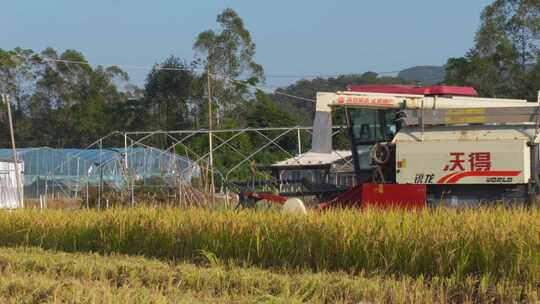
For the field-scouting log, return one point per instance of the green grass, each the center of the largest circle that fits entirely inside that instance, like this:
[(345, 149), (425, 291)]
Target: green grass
[(496, 243), (31, 275)]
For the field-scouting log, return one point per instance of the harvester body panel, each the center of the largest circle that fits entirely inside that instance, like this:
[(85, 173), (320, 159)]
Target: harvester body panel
[(463, 162)]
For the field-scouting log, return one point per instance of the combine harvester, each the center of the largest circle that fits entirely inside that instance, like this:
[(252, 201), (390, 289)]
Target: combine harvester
[(415, 147)]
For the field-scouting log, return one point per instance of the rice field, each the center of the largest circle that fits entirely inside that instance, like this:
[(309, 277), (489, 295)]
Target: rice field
[(31, 275), (348, 256)]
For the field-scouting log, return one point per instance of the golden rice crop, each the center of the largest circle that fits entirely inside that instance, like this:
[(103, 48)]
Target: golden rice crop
[(496, 243), (30, 275)]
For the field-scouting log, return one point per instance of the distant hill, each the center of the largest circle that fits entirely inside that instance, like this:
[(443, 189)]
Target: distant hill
[(425, 74)]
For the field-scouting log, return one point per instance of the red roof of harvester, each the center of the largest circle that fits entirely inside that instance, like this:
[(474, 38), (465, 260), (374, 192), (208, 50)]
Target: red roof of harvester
[(406, 89)]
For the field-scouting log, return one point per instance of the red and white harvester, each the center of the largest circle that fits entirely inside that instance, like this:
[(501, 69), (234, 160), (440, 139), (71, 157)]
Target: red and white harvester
[(414, 147)]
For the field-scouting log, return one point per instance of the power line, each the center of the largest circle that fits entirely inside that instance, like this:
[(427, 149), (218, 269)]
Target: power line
[(273, 91), (157, 67), (327, 75), (167, 69), (139, 67), (294, 96)]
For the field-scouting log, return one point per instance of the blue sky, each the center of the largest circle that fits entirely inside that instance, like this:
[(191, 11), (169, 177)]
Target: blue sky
[(292, 37)]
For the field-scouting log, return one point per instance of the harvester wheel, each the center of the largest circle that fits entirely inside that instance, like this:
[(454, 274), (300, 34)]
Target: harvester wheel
[(380, 153)]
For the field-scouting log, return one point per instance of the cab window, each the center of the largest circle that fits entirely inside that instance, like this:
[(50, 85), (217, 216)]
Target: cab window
[(372, 125)]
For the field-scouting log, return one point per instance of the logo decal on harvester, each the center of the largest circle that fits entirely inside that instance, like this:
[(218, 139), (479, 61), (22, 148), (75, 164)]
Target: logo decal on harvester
[(366, 100), (492, 176), (479, 165), (478, 161)]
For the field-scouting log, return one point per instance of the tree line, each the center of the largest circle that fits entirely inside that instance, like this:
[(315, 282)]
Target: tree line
[(59, 100), (505, 59)]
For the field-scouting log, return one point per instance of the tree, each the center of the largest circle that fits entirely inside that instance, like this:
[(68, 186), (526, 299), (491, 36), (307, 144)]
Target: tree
[(59, 96), (514, 22), (80, 96), (505, 51), (226, 55), (265, 113), (262, 112), (169, 94), (17, 79)]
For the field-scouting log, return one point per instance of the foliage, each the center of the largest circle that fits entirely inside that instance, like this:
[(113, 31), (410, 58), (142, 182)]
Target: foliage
[(70, 102), (31, 275), (501, 64), (227, 55), (169, 95), (259, 112)]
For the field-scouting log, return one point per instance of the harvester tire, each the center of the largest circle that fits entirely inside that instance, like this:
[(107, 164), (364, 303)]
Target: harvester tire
[(380, 153)]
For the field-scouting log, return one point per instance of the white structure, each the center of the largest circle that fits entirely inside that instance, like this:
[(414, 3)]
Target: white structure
[(314, 158), (9, 196)]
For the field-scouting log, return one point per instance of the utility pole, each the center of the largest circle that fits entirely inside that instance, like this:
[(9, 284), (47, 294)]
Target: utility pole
[(210, 143), (5, 99), (100, 188)]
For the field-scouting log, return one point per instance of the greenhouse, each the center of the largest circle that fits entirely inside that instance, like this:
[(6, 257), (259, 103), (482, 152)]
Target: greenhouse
[(68, 172)]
